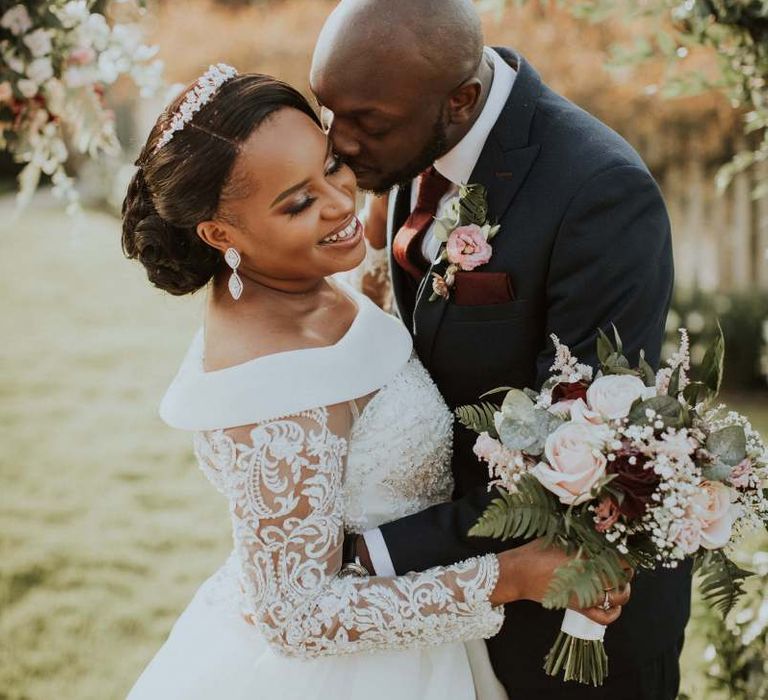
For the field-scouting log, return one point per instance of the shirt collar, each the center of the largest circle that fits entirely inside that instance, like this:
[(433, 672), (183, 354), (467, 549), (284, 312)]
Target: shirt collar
[(457, 165)]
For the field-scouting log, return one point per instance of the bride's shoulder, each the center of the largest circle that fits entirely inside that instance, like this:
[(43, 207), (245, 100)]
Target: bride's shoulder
[(260, 375)]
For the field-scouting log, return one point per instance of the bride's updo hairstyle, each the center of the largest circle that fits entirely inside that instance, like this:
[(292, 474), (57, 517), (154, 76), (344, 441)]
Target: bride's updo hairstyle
[(183, 183)]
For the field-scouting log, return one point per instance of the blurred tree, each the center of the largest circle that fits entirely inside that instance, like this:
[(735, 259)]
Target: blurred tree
[(735, 30)]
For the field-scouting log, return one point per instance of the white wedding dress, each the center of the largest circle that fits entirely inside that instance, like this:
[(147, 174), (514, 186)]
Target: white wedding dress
[(276, 622)]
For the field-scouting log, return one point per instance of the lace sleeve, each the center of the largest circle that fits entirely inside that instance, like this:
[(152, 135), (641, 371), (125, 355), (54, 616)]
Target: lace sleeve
[(284, 491)]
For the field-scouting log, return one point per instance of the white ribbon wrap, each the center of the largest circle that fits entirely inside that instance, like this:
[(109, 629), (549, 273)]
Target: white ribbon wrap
[(581, 627)]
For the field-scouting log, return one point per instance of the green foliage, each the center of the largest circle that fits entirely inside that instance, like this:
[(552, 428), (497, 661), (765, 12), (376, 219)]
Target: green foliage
[(531, 511), (740, 318), (729, 653), (667, 408), (722, 581), (728, 444), (473, 205), (478, 417), (611, 354), (586, 579), (736, 31), (523, 426)]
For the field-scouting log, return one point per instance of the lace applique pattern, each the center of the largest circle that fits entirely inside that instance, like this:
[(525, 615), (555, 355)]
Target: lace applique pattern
[(285, 499)]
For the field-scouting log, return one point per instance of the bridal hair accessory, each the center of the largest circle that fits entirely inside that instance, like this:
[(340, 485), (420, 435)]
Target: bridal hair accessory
[(232, 258), (196, 98)]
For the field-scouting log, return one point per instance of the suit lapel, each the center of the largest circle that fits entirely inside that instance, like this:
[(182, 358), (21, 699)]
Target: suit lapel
[(399, 209), (503, 165)]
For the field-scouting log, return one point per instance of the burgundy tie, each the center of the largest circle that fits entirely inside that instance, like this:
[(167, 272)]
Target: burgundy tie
[(407, 243)]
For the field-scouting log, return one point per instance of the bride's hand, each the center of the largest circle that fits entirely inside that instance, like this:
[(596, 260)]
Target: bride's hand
[(526, 572)]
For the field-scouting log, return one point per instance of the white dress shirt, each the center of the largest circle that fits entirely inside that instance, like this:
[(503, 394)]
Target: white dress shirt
[(457, 166)]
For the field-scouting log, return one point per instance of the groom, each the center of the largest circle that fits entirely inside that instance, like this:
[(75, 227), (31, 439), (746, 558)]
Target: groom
[(420, 105)]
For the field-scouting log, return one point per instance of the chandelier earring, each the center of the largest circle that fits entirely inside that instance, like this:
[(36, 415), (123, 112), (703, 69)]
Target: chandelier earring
[(232, 258)]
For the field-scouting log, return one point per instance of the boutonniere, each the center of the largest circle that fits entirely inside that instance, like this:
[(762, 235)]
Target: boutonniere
[(464, 232)]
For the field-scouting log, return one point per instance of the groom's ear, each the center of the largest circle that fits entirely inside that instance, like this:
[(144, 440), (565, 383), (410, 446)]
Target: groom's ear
[(463, 102), (216, 234)]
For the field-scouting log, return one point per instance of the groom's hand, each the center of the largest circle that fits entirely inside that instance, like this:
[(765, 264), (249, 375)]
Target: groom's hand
[(526, 573)]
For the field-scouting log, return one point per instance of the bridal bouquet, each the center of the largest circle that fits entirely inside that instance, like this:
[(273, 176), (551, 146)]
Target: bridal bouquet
[(633, 467), (58, 58)]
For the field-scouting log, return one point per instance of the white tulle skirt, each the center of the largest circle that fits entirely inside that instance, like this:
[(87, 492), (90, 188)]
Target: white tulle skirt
[(212, 653)]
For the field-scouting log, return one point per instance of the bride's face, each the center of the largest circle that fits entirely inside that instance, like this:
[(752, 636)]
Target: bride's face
[(292, 215)]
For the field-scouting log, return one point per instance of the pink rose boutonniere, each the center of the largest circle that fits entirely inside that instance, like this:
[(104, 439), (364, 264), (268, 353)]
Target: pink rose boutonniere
[(465, 233)]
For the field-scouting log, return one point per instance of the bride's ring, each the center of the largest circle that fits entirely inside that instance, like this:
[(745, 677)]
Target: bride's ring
[(606, 604)]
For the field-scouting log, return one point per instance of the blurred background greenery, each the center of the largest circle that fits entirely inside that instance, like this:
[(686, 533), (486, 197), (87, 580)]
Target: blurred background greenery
[(106, 525)]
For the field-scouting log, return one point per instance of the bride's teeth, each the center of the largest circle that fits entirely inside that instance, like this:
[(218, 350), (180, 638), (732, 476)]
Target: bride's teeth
[(348, 232)]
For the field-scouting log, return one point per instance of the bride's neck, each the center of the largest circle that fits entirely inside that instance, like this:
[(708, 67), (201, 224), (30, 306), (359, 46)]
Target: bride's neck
[(301, 295)]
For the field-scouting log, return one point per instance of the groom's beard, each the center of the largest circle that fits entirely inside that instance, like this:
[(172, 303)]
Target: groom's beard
[(437, 146)]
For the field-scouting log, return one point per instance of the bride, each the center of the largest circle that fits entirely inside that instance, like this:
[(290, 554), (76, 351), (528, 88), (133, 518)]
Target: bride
[(310, 415)]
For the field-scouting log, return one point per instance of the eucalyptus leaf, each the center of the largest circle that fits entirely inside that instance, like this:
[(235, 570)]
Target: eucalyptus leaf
[(716, 472), (667, 409), (728, 444), (523, 426), (518, 406)]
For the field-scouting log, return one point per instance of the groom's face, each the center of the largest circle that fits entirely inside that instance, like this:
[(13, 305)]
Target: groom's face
[(387, 135)]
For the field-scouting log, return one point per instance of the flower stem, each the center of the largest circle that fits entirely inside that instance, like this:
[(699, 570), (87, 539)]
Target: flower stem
[(580, 660)]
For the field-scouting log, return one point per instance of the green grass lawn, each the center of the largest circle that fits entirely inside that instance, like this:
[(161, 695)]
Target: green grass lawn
[(106, 525)]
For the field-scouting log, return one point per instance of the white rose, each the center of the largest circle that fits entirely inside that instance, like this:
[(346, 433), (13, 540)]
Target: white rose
[(40, 70), (715, 507), (581, 413), (575, 461), (16, 20), (39, 42), (28, 88), (613, 395)]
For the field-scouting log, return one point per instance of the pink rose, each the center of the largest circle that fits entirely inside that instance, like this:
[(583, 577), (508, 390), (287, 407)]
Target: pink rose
[(714, 506), (613, 395), (576, 461), (467, 247), (686, 534), (6, 92)]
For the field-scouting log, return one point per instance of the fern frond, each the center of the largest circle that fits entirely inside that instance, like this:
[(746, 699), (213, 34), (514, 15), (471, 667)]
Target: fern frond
[(478, 417), (529, 512), (586, 579), (722, 581)]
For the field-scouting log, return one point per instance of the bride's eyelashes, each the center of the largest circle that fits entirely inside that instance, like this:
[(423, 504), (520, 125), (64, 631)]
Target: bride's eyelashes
[(334, 166)]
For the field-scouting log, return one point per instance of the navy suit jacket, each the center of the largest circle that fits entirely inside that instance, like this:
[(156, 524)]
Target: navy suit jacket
[(585, 240)]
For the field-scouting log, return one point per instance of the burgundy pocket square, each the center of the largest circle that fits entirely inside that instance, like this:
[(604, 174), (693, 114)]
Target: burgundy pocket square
[(480, 288)]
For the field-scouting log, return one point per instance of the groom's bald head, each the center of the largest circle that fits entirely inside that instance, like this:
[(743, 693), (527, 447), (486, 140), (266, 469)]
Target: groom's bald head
[(436, 38), (390, 68)]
